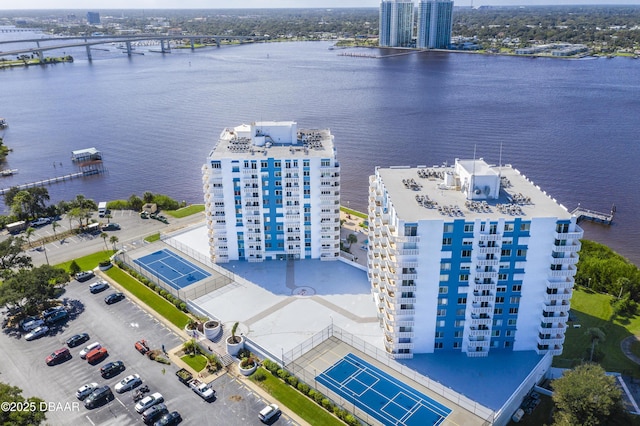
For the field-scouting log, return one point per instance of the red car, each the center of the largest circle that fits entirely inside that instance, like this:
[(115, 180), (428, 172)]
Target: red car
[(58, 356), (142, 347)]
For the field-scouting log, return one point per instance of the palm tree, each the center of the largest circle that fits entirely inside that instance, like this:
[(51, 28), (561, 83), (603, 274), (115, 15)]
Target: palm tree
[(596, 336), (29, 232), (104, 236), (190, 346), (113, 240), (108, 216), (55, 225)]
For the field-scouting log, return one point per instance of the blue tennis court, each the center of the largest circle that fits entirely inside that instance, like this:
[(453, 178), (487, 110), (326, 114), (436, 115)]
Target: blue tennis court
[(380, 395), (172, 269)]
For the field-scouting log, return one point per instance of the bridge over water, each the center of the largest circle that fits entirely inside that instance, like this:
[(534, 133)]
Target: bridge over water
[(44, 44)]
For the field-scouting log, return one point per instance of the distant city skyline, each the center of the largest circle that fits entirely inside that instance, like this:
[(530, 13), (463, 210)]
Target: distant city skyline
[(207, 4)]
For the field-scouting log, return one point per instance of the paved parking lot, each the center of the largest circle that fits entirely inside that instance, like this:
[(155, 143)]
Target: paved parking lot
[(116, 327)]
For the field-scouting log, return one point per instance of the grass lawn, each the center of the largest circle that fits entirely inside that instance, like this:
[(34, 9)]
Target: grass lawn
[(149, 297), (152, 238), (88, 262), (354, 213), (197, 362), (186, 211), (295, 401), (594, 310)]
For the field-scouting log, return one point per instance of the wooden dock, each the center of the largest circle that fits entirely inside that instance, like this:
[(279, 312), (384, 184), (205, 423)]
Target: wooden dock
[(53, 180), (585, 214)]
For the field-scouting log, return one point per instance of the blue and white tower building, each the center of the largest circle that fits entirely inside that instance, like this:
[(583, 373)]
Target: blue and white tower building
[(471, 258), (396, 23), (435, 19), (272, 191)]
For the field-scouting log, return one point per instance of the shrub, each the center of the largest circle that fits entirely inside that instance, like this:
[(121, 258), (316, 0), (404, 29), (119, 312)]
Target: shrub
[(163, 293), (293, 381), (318, 397), (74, 268), (312, 394), (327, 404), (271, 366), (244, 353), (283, 374), (183, 307), (350, 420), (259, 376), (304, 388), (105, 263)]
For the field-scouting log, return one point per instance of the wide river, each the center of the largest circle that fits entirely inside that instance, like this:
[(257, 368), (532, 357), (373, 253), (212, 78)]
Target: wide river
[(571, 126)]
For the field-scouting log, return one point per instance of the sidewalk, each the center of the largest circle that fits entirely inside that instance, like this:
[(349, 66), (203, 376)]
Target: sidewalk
[(352, 225)]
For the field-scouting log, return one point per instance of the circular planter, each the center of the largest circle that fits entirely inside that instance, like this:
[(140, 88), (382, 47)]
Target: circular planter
[(192, 332), (247, 371), (105, 267), (234, 348), (212, 329)]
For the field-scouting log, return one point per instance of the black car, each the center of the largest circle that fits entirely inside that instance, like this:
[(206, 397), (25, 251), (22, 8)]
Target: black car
[(84, 275), (172, 418), (48, 312), (154, 413), (77, 340), (98, 397), (113, 298), (111, 369), (57, 317), (111, 227)]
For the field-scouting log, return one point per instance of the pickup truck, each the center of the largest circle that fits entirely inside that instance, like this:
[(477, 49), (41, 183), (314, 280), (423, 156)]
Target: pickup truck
[(202, 389), (199, 387)]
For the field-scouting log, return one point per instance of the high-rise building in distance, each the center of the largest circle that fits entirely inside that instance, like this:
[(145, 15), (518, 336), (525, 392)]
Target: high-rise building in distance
[(471, 258), (396, 23), (272, 191), (93, 18), (435, 19)]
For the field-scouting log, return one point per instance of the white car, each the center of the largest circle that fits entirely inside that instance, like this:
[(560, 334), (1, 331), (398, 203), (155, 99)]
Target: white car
[(149, 401), (37, 332), (85, 390), (269, 412), (128, 383), (89, 348), (32, 323)]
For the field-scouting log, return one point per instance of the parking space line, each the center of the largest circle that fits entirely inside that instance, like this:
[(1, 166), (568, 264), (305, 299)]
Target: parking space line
[(90, 421)]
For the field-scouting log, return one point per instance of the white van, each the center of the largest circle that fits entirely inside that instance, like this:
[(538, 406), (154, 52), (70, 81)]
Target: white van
[(102, 208)]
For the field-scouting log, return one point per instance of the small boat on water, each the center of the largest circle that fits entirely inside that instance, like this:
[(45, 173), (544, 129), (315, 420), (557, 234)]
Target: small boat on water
[(3, 123), (8, 172)]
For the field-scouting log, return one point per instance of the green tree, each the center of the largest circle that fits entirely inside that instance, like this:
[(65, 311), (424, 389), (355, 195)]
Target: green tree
[(29, 417), (596, 335), (12, 257), (74, 268), (29, 233), (114, 240), (190, 347), (147, 197), (352, 239), (104, 237), (29, 288), (586, 396), (54, 226), (135, 203)]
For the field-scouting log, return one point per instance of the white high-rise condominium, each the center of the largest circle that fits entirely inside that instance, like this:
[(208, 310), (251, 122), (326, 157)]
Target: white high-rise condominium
[(396, 23), (435, 19), (471, 258), (272, 191)]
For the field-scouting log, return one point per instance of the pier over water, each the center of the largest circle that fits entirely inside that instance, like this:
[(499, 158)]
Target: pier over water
[(594, 216)]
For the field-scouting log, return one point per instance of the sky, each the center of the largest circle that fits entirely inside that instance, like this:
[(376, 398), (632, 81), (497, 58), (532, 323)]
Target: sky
[(228, 4)]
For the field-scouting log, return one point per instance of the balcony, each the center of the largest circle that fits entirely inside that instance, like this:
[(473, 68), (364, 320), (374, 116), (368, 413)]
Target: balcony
[(560, 330), (483, 275), (564, 284), (569, 248), (556, 318), (570, 272), (478, 344), (477, 309), (560, 307), (550, 299), (570, 260), (488, 250), (576, 235), (488, 262), (476, 332)]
